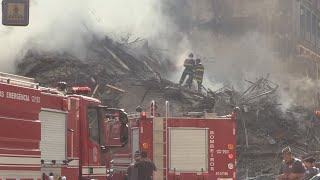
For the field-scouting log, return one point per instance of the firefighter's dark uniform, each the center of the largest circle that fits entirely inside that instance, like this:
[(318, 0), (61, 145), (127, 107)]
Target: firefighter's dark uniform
[(293, 166), (310, 172), (198, 75), (189, 65)]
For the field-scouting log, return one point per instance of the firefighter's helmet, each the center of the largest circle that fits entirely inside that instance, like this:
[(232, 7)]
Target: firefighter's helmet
[(62, 86), (198, 60), (139, 108), (286, 150)]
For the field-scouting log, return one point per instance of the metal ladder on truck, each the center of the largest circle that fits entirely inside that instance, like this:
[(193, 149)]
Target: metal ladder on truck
[(160, 142), (18, 80)]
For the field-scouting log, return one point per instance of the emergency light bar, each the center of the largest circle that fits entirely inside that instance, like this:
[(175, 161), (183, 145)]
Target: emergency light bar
[(81, 90), (143, 114)]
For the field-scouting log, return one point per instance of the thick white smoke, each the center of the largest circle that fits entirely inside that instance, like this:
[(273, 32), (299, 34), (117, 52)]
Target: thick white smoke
[(67, 26), (177, 26)]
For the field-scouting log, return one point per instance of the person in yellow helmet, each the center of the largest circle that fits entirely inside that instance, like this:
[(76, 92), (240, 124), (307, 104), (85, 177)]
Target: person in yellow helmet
[(198, 73)]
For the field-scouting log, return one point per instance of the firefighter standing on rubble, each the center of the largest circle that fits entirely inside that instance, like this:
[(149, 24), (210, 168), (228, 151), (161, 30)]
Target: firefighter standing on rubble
[(189, 65), (198, 73)]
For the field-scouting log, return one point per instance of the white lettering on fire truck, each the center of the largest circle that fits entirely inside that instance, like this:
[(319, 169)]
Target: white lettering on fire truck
[(222, 173), (18, 96), (35, 99), (225, 151), (211, 150), (222, 151)]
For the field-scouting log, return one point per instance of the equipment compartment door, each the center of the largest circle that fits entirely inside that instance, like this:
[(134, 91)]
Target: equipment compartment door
[(188, 149), (53, 135)]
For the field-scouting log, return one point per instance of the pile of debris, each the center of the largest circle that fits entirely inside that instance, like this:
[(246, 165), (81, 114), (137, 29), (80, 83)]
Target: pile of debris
[(121, 79), (264, 129)]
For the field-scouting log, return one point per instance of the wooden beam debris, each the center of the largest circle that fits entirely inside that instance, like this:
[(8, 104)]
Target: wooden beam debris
[(95, 90), (113, 87), (116, 58)]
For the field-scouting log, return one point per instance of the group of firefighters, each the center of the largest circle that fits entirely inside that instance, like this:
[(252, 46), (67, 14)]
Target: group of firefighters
[(295, 169), (194, 69)]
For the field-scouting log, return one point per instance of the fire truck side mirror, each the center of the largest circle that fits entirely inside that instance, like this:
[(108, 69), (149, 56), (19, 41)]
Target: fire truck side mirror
[(123, 117), (124, 134)]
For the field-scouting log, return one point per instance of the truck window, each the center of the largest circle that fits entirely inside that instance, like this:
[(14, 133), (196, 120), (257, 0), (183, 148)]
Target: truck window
[(93, 119)]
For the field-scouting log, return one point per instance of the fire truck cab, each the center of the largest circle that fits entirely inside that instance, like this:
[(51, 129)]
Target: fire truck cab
[(196, 146), (47, 132)]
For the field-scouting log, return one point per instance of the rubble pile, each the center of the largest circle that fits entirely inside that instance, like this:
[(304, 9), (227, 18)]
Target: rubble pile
[(115, 76), (263, 129), (123, 80)]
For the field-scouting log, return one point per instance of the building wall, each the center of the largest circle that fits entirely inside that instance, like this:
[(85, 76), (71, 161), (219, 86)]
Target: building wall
[(307, 25)]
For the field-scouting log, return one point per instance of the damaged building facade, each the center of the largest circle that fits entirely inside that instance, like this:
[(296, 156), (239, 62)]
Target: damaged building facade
[(293, 25), (292, 28), (296, 29)]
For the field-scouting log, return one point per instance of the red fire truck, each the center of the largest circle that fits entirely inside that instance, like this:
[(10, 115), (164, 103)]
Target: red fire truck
[(196, 146), (45, 132)]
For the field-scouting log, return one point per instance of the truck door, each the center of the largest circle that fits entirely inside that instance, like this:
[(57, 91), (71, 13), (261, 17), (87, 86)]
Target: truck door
[(96, 161)]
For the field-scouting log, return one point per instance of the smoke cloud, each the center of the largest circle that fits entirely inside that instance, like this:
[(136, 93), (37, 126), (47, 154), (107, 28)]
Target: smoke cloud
[(67, 26), (179, 27)]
